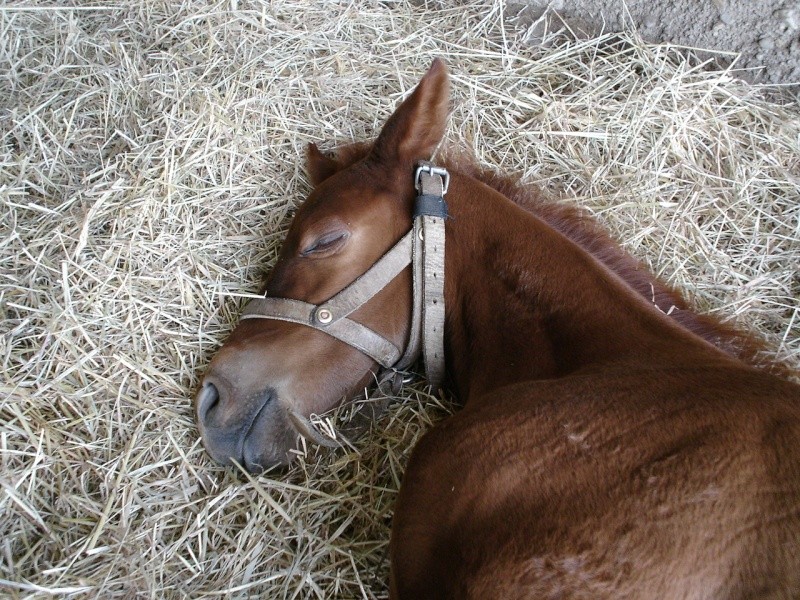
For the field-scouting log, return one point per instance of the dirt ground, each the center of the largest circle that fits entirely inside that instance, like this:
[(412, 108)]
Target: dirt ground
[(766, 33)]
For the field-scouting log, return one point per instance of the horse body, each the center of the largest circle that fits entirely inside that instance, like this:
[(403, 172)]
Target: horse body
[(603, 450), (604, 490), (609, 444)]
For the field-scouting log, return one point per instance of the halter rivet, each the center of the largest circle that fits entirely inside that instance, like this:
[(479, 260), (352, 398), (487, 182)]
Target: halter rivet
[(323, 315)]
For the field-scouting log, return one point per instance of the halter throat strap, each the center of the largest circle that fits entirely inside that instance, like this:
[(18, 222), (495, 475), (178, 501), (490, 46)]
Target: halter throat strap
[(423, 248)]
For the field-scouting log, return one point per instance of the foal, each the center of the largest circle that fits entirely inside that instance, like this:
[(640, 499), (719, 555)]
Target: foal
[(605, 449)]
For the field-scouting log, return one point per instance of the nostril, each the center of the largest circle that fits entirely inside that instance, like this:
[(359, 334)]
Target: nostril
[(207, 398)]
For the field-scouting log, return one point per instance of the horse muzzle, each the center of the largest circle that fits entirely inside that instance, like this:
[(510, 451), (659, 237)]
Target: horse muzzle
[(255, 432)]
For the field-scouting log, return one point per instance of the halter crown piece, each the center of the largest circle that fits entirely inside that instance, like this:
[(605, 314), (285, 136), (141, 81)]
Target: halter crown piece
[(423, 248)]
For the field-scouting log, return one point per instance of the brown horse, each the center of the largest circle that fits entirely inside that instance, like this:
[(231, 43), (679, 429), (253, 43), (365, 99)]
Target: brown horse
[(612, 444)]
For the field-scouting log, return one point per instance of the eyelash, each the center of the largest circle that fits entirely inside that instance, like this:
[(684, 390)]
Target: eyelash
[(324, 242)]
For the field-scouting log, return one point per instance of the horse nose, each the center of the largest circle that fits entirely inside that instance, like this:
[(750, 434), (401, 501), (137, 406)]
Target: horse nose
[(217, 424), (207, 399)]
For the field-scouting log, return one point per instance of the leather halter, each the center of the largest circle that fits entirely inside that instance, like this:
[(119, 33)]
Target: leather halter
[(423, 248)]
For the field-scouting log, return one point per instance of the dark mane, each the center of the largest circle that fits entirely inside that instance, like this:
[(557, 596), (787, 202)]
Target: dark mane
[(582, 229)]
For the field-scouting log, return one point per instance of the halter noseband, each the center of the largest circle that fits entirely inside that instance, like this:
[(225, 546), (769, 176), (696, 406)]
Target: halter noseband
[(423, 248)]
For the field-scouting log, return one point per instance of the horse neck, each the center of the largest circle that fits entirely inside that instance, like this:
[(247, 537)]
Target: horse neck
[(526, 302)]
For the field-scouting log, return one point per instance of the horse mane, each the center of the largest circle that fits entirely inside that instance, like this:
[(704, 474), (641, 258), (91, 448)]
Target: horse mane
[(580, 227), (577, 225)]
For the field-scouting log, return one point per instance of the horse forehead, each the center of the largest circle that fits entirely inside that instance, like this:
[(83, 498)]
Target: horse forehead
[(355, 187), (349, 203)]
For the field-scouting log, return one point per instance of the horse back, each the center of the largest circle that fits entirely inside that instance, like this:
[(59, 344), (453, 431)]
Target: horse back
[(630, 482)]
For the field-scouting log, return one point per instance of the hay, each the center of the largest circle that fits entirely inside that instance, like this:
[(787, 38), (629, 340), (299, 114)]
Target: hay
[(150, 162)]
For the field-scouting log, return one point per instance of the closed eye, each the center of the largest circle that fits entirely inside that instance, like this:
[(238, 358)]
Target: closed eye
[(326, 244)]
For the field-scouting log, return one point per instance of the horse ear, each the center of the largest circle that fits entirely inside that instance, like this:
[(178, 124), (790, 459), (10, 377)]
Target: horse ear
[(418, 125), (319, 166)]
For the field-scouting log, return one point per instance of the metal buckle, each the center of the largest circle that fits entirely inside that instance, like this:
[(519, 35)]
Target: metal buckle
[(433, 171)]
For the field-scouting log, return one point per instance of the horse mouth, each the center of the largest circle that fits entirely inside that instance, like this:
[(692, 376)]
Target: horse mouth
[(250, 456)]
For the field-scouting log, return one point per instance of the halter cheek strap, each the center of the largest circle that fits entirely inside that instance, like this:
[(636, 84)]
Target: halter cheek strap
[(331, 316), (423, 248)]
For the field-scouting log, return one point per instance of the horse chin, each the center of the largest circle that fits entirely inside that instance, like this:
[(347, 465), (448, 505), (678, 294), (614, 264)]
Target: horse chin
[(273, 437), (310, 433)]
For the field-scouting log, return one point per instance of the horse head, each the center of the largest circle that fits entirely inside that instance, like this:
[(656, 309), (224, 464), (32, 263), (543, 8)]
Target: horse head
[(273, 373)]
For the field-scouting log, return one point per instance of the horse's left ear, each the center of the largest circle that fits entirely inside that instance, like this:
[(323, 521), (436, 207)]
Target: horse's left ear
[(418, 125), (319, 166)]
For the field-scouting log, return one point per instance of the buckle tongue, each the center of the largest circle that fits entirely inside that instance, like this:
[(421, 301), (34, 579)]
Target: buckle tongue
[(432, 170)]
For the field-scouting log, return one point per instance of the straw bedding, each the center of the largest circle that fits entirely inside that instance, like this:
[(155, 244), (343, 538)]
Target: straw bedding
[(150, 162)]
